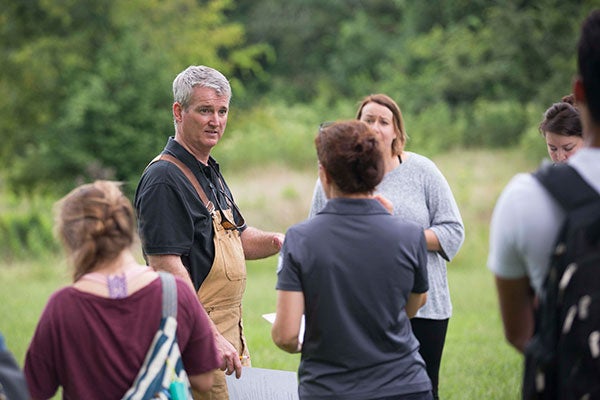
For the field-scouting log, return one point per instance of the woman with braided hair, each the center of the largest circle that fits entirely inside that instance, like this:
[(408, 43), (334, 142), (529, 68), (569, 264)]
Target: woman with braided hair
[(93, 335)]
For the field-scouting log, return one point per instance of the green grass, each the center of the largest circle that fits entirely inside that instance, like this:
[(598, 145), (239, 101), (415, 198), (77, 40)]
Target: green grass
[(260, 299), (477, 362), (25, 288)]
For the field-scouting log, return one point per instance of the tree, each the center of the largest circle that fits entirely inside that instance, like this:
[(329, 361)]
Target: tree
[(86, 85), (455, 51)]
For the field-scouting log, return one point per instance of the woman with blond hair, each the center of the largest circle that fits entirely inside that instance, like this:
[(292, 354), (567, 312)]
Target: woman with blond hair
[(93, 335)]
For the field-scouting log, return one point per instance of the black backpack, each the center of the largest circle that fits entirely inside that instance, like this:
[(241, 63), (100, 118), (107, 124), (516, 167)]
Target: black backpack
[(562, 360)]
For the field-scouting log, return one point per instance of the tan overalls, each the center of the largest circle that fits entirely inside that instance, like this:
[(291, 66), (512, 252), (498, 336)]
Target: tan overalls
[(221, 295), (222, 291)]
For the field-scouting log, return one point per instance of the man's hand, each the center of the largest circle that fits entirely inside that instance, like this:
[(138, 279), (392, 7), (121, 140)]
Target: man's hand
[(260, 244), (385, 202), (231, 358), (277, 241)]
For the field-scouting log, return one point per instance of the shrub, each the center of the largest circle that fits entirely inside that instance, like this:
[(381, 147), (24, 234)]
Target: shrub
[(496, 124), (26, 228), (435, 129), (532, 143)]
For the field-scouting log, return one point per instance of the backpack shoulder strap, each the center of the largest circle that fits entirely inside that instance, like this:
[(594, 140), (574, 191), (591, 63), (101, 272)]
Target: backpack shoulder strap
[(189, 175), (169, 295), (565, 184)]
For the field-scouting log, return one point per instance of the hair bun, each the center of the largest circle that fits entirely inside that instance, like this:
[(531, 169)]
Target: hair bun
[(95, 222), (570, 98)]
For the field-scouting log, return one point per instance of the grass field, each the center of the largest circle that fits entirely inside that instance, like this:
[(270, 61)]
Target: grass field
[(477, 363)]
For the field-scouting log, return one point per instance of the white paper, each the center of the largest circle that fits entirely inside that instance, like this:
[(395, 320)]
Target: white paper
[(263, 384), (271, 318)]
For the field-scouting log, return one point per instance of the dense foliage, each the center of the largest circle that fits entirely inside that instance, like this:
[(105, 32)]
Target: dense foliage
[(85, 85)]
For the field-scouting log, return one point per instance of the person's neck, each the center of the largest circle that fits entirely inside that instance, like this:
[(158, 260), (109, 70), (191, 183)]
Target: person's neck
[(594, 136), (200, 155), (392, 162), (124, 261), (591, 129), (117, 278), (336, 193)]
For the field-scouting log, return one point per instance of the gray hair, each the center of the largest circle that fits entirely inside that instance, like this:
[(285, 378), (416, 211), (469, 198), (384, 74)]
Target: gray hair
[(198, 75)]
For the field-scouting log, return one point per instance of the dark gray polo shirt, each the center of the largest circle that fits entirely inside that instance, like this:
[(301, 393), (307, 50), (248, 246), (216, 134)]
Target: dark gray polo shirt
[(356, 265)]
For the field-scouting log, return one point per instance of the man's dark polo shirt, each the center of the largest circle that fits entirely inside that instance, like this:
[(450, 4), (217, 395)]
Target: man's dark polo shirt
[(171, 216)]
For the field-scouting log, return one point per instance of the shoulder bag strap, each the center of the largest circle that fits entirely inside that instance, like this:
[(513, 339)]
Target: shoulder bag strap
[(169, 295), (149, 379)]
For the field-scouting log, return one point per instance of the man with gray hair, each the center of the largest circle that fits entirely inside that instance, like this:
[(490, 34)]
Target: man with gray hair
[(188, 220)]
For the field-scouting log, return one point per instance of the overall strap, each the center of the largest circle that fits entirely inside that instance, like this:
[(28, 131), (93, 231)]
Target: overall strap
[(565, 184), (169, 295), (189, 175)]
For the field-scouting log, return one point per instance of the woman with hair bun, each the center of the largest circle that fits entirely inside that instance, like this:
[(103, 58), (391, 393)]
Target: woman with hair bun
[(93, 335), (561, 127), (419, 193), (358, 274)]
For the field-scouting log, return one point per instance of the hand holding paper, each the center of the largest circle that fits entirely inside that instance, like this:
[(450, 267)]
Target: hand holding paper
[(271, 318)]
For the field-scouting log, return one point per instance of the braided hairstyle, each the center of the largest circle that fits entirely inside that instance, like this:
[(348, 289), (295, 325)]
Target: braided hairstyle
[(95, 223)]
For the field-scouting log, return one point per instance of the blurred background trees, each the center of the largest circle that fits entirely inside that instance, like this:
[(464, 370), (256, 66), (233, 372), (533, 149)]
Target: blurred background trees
[(85, 86)]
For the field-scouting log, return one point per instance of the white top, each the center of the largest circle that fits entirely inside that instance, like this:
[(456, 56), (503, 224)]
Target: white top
[(526, 221), (421, 194)]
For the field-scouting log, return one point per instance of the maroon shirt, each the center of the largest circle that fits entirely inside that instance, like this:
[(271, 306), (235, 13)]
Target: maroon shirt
[(94, 346)]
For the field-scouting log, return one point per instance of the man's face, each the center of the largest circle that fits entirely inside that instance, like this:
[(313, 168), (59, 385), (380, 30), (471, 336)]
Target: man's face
[(202, 123)]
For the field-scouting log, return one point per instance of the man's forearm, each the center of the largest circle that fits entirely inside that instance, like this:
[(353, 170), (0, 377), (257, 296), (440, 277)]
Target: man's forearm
[(516, 301), (260, 244), (172, 264)]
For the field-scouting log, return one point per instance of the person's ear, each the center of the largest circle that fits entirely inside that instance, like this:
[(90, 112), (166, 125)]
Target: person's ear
[(579, 91), (325, 180), (177, 110), (323, 175)]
